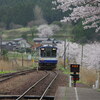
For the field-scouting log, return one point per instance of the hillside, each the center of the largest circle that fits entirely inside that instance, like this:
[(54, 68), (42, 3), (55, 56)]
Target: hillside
[(58, 32), (21, 12), (25, 32)]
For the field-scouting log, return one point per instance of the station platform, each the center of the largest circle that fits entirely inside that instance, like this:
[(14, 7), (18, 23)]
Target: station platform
[(74, 93)]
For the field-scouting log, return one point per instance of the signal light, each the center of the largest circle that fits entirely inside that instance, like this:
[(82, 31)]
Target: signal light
[(75, 68), (75, 77)]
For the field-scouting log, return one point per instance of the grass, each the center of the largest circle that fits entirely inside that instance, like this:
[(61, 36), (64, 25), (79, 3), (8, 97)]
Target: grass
[(87, 76), (16, 33), (14, 62), (98, 90), (15, 65), (12, 55), (61, 67), (25, 29), (8, 69), (4, 72), (64, 70), (17, 55)]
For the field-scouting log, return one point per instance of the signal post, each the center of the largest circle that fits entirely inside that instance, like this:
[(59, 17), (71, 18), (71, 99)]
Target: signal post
[(75, 69)]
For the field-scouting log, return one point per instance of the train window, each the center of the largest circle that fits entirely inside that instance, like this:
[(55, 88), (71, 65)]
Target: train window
[(54, 52), (48, 52), (43, 53)]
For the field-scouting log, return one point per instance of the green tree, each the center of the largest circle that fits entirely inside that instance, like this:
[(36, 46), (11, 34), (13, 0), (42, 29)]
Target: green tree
[(83, 36)]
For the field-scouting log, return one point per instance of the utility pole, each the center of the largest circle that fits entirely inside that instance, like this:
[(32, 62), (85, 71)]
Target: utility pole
[(65, 50), (0, 45), (81, 62), (64, 37), (82, 56), (1, 42), (68, 54), (98, 77), (64, 53)]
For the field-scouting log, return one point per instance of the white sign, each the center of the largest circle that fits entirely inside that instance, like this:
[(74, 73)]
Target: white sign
[(29, 57)]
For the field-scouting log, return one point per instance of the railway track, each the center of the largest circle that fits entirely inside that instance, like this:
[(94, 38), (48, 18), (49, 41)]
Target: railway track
[(39, 89), (43, 94), (51, 76), (8, 76)]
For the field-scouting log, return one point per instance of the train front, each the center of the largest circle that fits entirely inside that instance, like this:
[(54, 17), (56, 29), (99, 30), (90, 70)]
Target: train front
[(48, 57)]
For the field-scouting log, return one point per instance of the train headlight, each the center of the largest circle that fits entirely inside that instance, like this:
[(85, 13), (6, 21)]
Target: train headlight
[(42, 48), (42, 59), (54, 48)]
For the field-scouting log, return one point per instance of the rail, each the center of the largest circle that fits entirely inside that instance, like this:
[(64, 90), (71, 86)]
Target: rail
[(11, 75), (48, 86), (45, 91), (21, 96), (25, 97)]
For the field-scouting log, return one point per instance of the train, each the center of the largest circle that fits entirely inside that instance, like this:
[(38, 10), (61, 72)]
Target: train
[(48, 57)]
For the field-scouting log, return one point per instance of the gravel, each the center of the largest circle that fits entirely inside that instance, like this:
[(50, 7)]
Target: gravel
[(19, 84), (62, 80)]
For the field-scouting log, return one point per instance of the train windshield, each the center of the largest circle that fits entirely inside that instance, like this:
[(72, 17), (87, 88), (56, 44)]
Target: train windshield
[(48, 52)]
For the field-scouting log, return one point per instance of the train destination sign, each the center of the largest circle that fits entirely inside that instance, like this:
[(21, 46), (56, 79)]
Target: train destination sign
[(75, 67)]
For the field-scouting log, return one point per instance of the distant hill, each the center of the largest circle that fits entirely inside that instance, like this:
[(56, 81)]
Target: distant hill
[(21, 12)]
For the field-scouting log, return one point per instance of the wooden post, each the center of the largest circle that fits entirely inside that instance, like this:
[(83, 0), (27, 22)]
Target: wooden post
[(99, 78), (22, 60)]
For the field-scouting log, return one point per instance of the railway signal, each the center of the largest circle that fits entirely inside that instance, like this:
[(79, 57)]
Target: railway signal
[(75, 68), (75, 77)]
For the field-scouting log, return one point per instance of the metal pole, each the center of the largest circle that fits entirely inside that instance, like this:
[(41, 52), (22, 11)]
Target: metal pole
[(74, 80), (70, 81)]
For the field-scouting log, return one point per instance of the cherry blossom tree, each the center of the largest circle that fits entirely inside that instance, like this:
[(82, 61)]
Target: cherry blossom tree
[(44, 31), (47, 30), (91, 54), (89, 10)]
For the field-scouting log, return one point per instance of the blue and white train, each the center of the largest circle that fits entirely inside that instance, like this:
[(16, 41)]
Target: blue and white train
[(48, 57)]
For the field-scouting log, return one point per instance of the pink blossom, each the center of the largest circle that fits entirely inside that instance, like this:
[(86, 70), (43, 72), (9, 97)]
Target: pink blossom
[(91, 54), (86, 9)]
